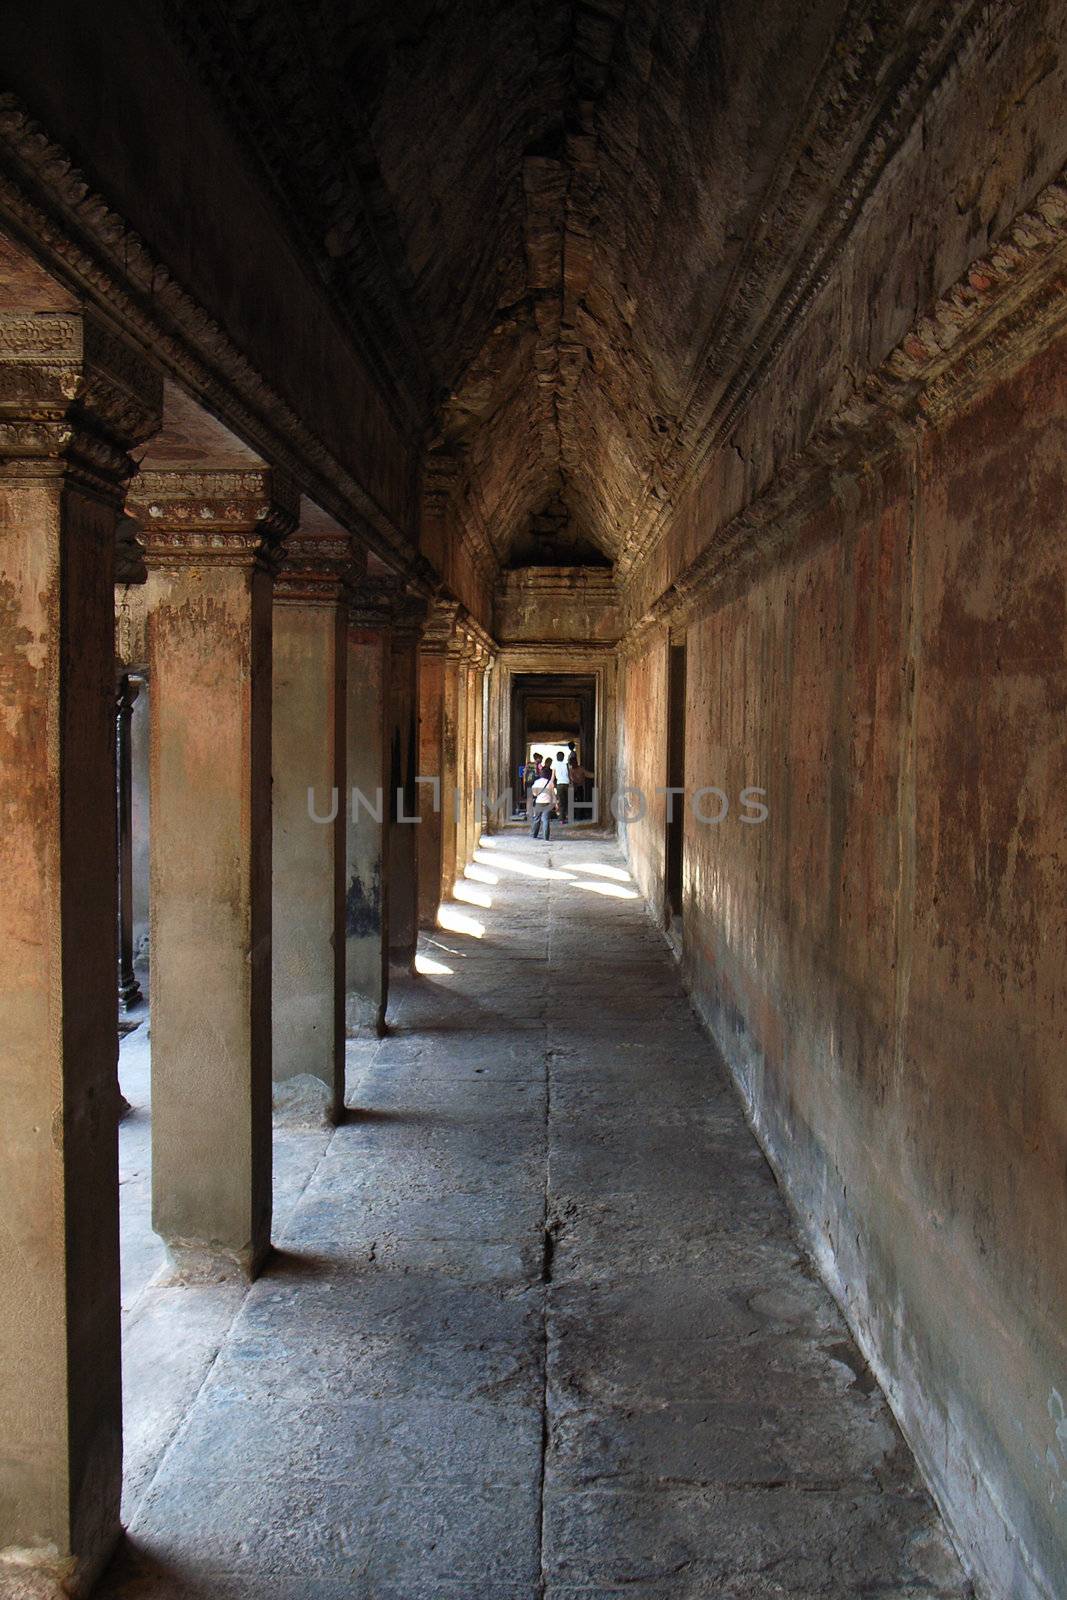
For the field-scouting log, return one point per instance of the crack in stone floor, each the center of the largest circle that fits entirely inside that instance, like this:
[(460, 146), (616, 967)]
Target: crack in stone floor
[(539, 1325)]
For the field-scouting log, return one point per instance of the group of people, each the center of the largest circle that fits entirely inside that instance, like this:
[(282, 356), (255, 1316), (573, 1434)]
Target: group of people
[(553, 785)]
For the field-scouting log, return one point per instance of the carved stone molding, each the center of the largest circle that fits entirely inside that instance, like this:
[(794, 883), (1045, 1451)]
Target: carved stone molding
[(316, 570), (884, 62), (73, 398), (372, 603), (593, 583), (447, 490), (440, 628), (45, 200), (474, 529), (1008, 305), (213, 518)]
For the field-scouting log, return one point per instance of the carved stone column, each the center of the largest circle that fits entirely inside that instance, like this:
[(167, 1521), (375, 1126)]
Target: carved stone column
[(210, 540), (367, 870), (129, 988), (309, 765), (403, 790), (481, 780), (475, 776), (73, 401), (439, 661)]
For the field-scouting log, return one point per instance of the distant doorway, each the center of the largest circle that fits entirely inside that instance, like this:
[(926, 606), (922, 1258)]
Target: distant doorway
[(550, 711), (675, 843)]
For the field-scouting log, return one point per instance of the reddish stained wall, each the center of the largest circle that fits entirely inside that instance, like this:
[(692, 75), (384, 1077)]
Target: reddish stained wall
[(883, 961), (643, 765)]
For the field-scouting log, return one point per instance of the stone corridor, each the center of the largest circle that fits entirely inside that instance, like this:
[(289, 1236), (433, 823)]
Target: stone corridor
[(538, 1323)]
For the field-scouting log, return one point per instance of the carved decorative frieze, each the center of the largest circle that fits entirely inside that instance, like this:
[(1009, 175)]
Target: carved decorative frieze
[(73, 397), (884, 62), (1007, 306), (213, 518), (316, 569), (439, 633), (372, 603)]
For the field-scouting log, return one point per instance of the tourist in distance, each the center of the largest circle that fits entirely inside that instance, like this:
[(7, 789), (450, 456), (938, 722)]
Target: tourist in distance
[(544, 798)]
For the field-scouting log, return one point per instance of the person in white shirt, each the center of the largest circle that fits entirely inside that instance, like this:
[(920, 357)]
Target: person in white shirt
[(543, 795), (562, 775)]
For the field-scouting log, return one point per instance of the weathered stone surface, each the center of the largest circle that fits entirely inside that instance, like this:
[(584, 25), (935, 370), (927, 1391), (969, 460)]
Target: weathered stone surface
[(424, 1397), (882, 959)]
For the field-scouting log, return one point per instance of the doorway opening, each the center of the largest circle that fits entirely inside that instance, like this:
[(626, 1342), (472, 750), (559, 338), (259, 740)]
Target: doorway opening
[(549, 713)]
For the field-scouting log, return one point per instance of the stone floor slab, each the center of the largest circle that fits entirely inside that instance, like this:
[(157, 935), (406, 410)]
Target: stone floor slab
[(539, 1324)]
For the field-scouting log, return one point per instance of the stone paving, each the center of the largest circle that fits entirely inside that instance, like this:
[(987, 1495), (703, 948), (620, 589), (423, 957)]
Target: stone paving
[(539, 1324)]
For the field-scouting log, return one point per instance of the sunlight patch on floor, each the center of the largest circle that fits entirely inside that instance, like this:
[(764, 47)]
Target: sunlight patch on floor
[(430, 968), (480, 874), (613, 891), (472, 895), (602, 870), (457, 921), (530, 869)]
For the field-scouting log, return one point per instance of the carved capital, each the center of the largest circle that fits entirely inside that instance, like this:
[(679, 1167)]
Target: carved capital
[(74, 398), (213, 518), (439, 632), (317, 569), (372, 603)]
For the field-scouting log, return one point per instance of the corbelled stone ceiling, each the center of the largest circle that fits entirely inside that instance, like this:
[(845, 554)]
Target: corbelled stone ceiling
[(560, 228)]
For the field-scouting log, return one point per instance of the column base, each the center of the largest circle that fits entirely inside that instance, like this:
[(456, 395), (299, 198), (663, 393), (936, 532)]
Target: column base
[(305, 1101), (196, 1263), (130, 994), (402, 958), (364, 1019), (42, 1575)]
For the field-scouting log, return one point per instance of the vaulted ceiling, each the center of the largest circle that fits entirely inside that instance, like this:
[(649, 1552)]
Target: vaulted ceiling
[(566, 231)]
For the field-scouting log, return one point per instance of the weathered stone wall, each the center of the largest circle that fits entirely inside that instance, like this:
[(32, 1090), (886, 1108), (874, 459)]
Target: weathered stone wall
[(883, 960), (985, 143), (643, 766), (556, 604)]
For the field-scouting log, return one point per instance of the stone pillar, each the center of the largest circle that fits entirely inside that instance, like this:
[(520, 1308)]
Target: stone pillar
[(438, 696), (477, 780), (72, 403), (459, 791), (367, 853), (210, 538), (129, 988), (403, 770), (310, 688), (481, 778), (497, 762), (452, 720)]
